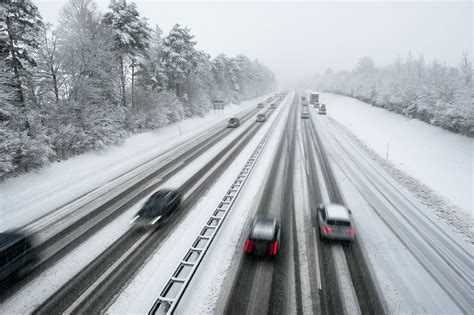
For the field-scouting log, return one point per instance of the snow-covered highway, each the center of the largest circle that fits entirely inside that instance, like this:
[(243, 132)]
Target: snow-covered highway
[(404, 259)]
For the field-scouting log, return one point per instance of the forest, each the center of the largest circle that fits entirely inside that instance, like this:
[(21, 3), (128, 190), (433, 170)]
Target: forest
[(95, 78), (435, 93)]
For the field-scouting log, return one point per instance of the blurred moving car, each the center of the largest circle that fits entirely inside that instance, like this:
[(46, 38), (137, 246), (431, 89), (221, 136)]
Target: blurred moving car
[(303, 98), (158, 208), (234, 122), (261, 117), (304, 115), (16, 255), (335, 222), (260, 105), (264, 237), (273, 105), (322, 109)]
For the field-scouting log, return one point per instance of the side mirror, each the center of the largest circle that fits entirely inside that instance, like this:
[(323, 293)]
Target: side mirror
[(349, 210)]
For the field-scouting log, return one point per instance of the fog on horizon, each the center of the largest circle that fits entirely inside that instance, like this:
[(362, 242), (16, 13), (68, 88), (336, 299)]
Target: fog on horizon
[(299, 39)]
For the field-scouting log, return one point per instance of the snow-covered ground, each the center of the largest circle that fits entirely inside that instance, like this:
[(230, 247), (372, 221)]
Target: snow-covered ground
[(31, 296), (420, 266), (143, 290), (27, 197), (434, 164)]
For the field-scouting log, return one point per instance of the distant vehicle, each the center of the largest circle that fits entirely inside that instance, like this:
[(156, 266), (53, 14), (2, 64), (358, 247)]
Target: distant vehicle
[(314, 98), (335, 222), (264, 237), (304, 103), (273, 105), (261, 117), (304, 115), (303, 98), (16, 255), (322, 109), (281, 98), (234, 122), (158, 208), (260, 105)]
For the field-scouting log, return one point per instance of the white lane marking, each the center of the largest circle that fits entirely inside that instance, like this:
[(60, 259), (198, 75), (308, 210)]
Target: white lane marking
[(349, 297), (307, 168), (105, 274), (316, 254)]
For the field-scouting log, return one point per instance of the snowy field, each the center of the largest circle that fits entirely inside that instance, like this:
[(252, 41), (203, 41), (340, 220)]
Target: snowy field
[(27, 197), (435, 157)]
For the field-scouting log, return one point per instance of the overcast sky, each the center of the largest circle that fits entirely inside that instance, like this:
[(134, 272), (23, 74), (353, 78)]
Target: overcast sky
[(298, 39)]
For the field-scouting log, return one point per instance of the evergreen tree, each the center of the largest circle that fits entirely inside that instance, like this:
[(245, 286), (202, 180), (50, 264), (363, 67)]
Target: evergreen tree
[(18, 36), (130, 33), (178, 57)]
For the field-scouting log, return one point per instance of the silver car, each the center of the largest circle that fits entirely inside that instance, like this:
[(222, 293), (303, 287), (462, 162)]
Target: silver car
[(335, 222)]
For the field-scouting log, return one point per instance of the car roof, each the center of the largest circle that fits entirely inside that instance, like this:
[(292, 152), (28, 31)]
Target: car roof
[(264, 228), (337, 212)]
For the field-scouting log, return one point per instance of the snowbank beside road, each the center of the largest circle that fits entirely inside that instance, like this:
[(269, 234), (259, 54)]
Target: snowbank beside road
[(438, 158)]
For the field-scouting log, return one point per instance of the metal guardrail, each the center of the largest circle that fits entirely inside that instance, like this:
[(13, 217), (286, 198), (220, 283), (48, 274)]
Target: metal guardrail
[(179, 281)]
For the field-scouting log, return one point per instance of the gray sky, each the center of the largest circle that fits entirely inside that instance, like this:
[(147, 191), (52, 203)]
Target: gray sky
[(298, 39)]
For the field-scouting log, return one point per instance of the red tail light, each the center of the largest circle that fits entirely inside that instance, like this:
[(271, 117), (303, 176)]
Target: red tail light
[(326, 229), (248, 247), (351, 232), (272, 248)]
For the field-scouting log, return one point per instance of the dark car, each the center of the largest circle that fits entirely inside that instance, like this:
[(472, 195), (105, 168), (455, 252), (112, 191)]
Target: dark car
[(16, 255), (260, 105), (234, 122), (273, 105), (158, 208), (261, 117), (264, 237)]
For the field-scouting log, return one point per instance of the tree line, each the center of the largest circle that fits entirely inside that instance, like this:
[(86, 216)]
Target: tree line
[(96, 78), (436, 93)]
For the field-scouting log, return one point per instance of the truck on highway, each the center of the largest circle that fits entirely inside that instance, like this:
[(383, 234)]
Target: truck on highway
[(314, 99)]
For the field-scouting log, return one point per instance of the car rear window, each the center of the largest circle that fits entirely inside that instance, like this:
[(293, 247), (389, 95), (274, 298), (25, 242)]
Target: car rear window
[(263, 230), (338, 223)]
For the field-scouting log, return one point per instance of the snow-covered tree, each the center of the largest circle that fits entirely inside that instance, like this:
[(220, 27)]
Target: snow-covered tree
[(131, 34), (178, 57), (433, 92), (19, 32)]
